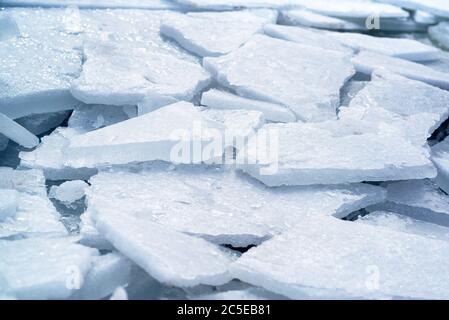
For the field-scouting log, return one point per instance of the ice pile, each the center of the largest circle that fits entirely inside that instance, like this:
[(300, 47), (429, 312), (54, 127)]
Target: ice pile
[(244, 149)]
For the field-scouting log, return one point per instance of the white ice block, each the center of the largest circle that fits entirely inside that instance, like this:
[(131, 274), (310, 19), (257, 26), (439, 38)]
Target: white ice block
[(14, 131)]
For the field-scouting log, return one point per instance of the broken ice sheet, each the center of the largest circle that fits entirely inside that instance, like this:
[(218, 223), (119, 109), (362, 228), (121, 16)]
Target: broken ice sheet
[(89, 4), (365, 266), (44, 268), (215, 34), (312, 19), (202, 201), (419, 199), (305, 79), (440, 34), (169, 256), (366, 62), (14, 131), (415, 108), (402, 223), (333, 152)]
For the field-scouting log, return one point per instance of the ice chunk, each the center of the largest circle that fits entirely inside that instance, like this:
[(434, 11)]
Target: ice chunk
[(436, 7), (299, 77), (17, 133), (8, 204), (42, 123), (44, 268), (169, 256), (414, 107), (305, 36), (311, 19), (122, 75), (400, 48), (419, 199), (107, 273), (119, 294), (214, 34), (166, 134), (401, 223), (333, 152), (89, 4), (8, 27), (440, 34), (217, 99), (424, 17), (440, 157), (202, 201), (366, 62), (365, 266), (69, 192)]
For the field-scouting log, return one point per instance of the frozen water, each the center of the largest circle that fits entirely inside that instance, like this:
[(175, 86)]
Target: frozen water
[(120, 75), (436, 7), (119, 294), (169, 256), (440, 157), (307, 18), (400, 48), (305, 79), (215, 34), (424, 17), (217, 99), (201, 201), (440, 34), (44, 268), (234, 4), (8, 204), (333, 152), (27, 181), (17, 133), (366, 62), (414, 107), (107, 273), (402, 223), (3, 142), (125, 4), (365, 266), (68, 192), (8, 27), (419, 199)]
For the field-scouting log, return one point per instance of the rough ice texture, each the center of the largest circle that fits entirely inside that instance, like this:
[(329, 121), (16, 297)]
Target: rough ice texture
[(220, 5), (89, 4), (68, 192), (14, 131), (436, 7), (168, 256), (42, 268), (305, 79), (419, 199), (154, 136), (217, 99), (201, 201), (366, 62), (413, 107), (402, 223), (333, 152), (107, 273), (307, 18), (400, 48), (8, 204), (214, 34), (440, 34), (366, 266)]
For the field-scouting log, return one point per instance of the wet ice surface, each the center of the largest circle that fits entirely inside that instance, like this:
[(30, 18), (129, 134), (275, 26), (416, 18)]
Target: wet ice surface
[(217, 150)]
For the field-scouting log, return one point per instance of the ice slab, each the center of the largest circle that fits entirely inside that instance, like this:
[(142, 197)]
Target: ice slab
[(307, 18), (415, 108), (333, 152), (8, 27), (217, 99), (169, 256), (120, 75), (366, 266), (14, 131), (401, 223), (424, 17), (69, 192), (43, 269), (166, 134), (419, 199), (107, 273), (93, 4), (299, 77), (440, 34), (400, 48), (8, 204), (436, 7), (306, 36), (366, 62), (214, 34), (202, 201)]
